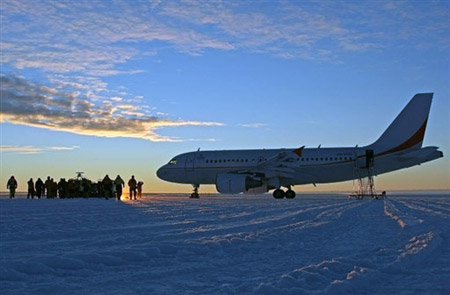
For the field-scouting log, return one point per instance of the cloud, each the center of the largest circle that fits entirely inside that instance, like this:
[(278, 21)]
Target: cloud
[(79, 37), (28, 149), (28, 104), (254, 125), (63, 148), (202, 139)]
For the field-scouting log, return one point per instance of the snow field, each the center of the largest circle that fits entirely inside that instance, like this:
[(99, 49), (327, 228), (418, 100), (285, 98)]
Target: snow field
[(169, 244)]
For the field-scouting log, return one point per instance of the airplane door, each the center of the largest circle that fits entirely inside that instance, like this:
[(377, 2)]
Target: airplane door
[(190, 160)]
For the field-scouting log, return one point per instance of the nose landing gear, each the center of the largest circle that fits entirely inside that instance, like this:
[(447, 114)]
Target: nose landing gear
[(194, 194)]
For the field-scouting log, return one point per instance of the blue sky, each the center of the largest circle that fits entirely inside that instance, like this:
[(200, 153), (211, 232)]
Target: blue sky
[(122, 86)]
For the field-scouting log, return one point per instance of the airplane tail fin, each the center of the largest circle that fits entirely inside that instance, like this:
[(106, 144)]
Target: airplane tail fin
[(408, 129)]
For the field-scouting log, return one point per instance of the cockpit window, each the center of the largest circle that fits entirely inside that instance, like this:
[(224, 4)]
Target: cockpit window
[(173, 161)]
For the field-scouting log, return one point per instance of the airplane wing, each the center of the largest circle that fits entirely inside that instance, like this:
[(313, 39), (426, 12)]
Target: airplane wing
[(280, 165)]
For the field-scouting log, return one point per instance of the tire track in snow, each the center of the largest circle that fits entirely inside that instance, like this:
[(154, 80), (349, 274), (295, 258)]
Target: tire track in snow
[(357, 273), (434, 206), (402, 218), (423, 208), (350, 276), (276, 225)]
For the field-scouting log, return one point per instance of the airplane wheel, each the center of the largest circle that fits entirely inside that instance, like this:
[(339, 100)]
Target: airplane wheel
[(278, 194), (194, 196), (290, 194)]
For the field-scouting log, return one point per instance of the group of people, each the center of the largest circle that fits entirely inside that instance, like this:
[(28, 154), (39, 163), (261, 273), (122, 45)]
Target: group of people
[(80, 187), (113, 188)]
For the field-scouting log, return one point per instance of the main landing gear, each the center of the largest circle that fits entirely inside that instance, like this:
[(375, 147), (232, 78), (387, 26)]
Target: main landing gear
[(194, 194), (280, 194)]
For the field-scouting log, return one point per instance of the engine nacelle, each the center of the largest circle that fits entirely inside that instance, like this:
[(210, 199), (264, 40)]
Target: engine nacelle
[(228, 183)]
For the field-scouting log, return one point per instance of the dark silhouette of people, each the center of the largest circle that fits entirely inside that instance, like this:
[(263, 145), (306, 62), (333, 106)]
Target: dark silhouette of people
[(12, 186), (119, 183), (72, 189), (47, 186), (53, 189), (132, 185), (39, 188), (62, 188), (30, 192), (139, 188), (100, 189), (77, 187), (107, 186)]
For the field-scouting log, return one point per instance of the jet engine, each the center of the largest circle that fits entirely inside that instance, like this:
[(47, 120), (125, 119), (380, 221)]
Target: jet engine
[(228, 183)]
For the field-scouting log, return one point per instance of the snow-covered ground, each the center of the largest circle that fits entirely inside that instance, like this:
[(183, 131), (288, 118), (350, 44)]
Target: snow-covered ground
[(169, 244)]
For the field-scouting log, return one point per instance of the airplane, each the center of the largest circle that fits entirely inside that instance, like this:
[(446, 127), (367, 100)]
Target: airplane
[(262, 170)]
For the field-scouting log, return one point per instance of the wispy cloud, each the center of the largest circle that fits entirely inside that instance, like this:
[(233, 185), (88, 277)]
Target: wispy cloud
[(203, 139), (78, 36), (29, 104), (63, 148), (254, 125), (28, 149)]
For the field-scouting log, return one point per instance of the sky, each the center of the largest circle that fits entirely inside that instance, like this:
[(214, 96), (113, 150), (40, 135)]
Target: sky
[(120, 87)]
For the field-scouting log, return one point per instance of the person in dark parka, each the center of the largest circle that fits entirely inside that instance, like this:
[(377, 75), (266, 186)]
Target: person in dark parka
[(12, 186), (39, 188), (30, 189)]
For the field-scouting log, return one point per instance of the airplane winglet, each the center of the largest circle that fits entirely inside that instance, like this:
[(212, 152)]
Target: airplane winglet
[(298, 151)]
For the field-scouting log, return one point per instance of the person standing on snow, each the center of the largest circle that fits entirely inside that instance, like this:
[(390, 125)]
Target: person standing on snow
[(39, 188), (107, 186), (139, 188), (62, 188), (47, 186), (30, 188), (119, 183), (132, 185), (11, 185)]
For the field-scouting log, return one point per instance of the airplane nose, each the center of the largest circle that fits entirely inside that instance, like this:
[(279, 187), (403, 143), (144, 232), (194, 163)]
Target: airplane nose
[(161, 173)]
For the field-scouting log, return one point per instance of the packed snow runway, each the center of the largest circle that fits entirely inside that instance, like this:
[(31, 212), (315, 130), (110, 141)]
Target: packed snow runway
[(169, 244)]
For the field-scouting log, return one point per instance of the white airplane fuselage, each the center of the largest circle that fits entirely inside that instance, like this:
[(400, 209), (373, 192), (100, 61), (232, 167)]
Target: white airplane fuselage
[(316, 165), (259, 170)]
